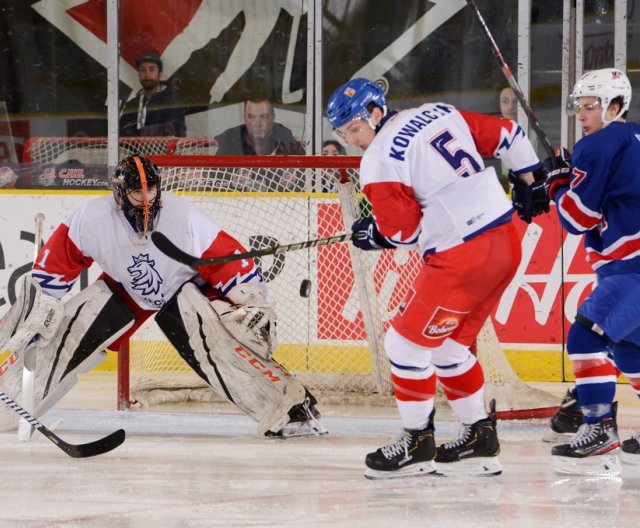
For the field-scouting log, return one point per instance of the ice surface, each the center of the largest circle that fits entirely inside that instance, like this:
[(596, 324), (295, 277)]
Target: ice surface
[(178, 470)]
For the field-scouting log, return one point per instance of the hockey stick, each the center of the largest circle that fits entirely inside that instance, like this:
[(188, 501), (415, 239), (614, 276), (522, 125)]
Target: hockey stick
[(511, 80), (90, 449), (171, 250), (25, 429)]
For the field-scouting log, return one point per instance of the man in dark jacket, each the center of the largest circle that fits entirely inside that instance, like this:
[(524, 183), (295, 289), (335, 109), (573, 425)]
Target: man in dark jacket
[(155, 110), (260, 135)]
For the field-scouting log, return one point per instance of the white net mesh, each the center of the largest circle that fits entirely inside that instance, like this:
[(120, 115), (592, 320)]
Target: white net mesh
[(324, 338), (93, 150)]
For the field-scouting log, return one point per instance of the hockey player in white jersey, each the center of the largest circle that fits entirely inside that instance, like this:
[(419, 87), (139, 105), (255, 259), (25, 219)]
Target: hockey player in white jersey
[(219, 318), (422, 171), (597, 194)]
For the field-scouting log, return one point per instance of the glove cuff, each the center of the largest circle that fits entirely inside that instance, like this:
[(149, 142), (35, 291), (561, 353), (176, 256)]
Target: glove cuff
[(556, 185)]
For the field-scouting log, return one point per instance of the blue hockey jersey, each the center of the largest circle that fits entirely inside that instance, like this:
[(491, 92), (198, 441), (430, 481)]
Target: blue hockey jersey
[(603, 200)]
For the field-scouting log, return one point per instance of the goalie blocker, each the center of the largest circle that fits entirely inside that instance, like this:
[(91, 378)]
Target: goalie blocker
[(67, 339), (230, 348)]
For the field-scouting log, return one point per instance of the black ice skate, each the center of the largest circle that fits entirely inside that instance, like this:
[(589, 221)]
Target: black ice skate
[(408, 455), (569, 418), (592, 451), (475, 452), (630, 450)]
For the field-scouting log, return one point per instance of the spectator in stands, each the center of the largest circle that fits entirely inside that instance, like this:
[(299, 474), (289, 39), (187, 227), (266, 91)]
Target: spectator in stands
[(331, 177), (331, 147), (155, 111), (508, 104), (260, 135)]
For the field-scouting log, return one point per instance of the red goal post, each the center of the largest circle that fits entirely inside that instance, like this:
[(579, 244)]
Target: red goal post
[(331, 340)]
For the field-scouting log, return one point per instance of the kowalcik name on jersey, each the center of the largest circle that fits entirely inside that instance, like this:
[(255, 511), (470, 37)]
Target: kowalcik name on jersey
[(422, 119)]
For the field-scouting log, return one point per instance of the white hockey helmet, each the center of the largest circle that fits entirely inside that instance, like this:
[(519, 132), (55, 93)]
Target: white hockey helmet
[(606, 84)]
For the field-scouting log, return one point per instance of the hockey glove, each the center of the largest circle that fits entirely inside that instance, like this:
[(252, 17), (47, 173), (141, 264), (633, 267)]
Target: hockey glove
[(558, 171), (366, 235), (528, 200)]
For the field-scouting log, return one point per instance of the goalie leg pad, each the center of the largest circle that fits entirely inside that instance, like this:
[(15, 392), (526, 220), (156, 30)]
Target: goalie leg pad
[(258, 386), (92, 319)]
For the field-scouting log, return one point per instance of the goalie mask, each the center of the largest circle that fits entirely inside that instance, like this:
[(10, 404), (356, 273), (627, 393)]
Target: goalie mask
[(606, 84), (353, 100), (136, 188)]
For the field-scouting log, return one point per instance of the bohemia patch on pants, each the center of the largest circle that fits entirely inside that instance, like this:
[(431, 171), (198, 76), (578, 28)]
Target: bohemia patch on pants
[(443, 323)]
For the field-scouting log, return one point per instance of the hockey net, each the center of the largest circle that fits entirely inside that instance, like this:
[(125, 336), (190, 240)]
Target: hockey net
[(333, 339), (93, 150)]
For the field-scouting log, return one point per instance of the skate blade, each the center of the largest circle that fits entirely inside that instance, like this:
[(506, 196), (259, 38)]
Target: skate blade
[(421, 469), (555, 438), (607, 465), (471, 467), (293, 430), (630, 458)]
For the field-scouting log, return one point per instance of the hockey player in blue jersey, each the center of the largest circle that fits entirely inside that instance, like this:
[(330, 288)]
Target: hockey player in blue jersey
[(598, 194)]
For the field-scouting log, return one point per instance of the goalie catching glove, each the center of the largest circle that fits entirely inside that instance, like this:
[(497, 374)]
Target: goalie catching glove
[(33, 316)]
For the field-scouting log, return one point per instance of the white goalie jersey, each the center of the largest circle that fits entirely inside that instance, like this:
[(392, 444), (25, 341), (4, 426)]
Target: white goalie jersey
[(100, 232)]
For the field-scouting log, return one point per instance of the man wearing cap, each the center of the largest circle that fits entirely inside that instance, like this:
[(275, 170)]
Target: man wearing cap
[(155, 111)]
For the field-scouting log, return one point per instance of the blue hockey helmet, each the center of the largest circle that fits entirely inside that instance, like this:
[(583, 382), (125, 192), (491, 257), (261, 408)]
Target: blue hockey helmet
[(351, 100)]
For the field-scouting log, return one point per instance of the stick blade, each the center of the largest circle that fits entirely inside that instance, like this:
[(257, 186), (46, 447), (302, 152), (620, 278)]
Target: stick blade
[(90, 449), (171, 250)]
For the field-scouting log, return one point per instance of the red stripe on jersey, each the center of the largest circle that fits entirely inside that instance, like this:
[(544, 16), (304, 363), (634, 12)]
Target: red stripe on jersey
[(66, 260), (595, 367), (629, 248), (395, 208), (414, 389), (463, 385), (486, 131), (569, 208), (225, 244)]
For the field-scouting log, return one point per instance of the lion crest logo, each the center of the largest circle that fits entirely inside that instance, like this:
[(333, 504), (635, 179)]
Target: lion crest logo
[(144, 276)]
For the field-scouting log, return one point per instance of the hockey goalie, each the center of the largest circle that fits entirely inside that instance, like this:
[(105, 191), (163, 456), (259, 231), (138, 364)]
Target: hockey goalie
[(219, 318)]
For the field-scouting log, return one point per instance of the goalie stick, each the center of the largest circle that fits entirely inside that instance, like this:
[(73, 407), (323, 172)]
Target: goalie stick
[(89, 449), (25, 429), (511, 80), (171, 250)]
